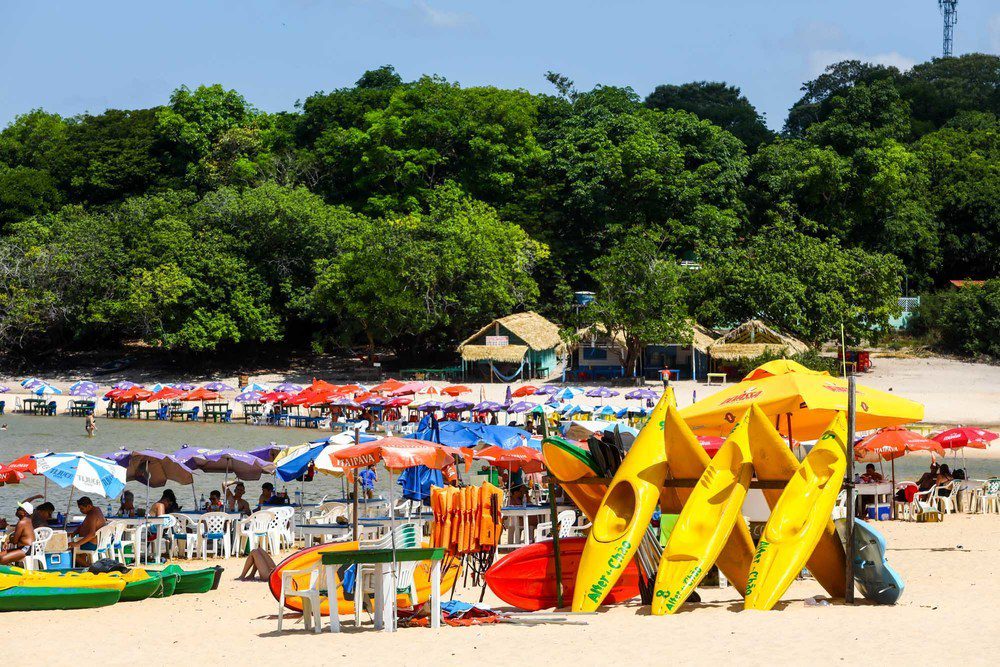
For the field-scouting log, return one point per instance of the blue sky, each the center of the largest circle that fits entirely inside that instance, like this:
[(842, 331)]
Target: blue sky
[(72, 57)]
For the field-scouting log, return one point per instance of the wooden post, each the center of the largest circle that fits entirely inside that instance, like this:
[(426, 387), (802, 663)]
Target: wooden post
[(554, 516), (849, 486)]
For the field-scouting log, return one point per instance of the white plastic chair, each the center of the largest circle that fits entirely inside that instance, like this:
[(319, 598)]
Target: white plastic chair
[(253, 531), (923, 501), (186, 536), (283, 526), (567, 526), (840, 509), (987, 499), (214, 537), (407, 536), (118, 540), (35, 558), (104, 538), (309, 596), (946, 503)]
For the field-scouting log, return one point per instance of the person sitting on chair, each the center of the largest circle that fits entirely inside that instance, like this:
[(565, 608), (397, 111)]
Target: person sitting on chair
[(234, 499), (943, 477), (20, 541), (214, 503), (266, 494), (871, 475), (167, 504), (42, 516), (86, 532), (127, 505)]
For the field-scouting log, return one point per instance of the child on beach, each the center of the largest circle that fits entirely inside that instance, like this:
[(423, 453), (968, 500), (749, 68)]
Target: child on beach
[(90, 425)]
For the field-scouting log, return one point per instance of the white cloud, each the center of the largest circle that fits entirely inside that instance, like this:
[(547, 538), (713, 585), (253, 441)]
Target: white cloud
[(818, 60), (440, 18)]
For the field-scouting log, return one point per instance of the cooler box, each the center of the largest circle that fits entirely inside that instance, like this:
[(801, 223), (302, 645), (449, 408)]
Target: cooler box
[(58, 560), (879, 512)]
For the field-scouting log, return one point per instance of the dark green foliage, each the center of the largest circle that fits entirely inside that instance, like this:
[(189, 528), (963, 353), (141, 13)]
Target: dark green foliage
[(408, 213), (963, 321)]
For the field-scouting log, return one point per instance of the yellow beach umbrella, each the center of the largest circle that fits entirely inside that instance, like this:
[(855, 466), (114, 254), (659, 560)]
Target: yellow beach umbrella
[(801, 402)]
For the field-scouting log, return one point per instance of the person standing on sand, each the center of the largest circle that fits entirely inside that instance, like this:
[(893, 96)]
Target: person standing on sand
[(90, 425)]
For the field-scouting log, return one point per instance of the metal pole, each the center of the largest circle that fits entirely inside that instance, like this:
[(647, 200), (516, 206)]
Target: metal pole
[(554, 517), (849, 486), (354, 513)]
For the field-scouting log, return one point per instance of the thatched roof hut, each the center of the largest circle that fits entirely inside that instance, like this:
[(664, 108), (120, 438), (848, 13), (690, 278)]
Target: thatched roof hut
[(515, 339), (752, 339)]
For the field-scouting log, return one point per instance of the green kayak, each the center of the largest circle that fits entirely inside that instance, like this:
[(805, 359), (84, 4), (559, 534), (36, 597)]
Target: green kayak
[(142, 589), (31, 598), (168, 584), (192, 581)]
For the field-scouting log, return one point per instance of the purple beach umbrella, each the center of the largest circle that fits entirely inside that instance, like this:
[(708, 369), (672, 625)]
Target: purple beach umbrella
[(547, 390), (429, 406), (289, 387), (267, 453), (249, 397), (642, 395), (457, 406), (156, 469), (219, 386), (4, 389), (487, 406), (373, 402), (126, 384), (242, 464), (184, 386), (345, 402), (601, 392), (521, 406), (120, 457)]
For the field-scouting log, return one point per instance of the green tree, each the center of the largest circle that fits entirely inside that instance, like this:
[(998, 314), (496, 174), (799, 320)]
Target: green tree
[(804, 285), (717, 102), (817, 95), (639, 296), (963, 321)]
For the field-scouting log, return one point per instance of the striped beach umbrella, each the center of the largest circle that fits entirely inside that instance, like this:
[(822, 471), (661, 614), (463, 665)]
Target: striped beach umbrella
[(84, 472)]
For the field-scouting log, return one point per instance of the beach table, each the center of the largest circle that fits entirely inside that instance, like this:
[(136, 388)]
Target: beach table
[(519, 536), (385, 593), (215, 411), (147, 413), (81, 408), (880, 491), (34, 405)]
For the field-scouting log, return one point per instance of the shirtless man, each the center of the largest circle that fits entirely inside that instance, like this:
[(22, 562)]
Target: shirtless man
[(86, 533), (20, 541), (234, 499)]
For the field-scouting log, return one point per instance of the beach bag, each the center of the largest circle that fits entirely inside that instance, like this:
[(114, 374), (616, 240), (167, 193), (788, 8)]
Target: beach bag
[(106, 565)]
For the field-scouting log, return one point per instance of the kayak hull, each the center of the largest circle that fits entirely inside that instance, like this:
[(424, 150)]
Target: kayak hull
[(799, 518), (525, 578), (773, 461), (40, 598), (192, 581), (875, 578), (705, 524), (624, 515), (568, 462)]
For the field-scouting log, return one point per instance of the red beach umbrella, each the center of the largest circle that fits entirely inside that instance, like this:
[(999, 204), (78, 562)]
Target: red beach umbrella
[(200, 394), (526, 390), (456, 390), (519, 458), (965, 436), (891, 443)]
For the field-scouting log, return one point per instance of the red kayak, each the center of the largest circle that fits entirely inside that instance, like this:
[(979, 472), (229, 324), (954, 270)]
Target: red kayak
[(526, 577)]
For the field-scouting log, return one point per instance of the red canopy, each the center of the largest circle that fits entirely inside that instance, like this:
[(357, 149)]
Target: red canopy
[(519, 458), (388, 385), (24, 464), (965, 436), (131, 395), (396, 454), (526, 390), (893, 442), (349, 389), (399, 402), (9, 475), (200, 394), (275, 397), (456, 390), (166, 394)]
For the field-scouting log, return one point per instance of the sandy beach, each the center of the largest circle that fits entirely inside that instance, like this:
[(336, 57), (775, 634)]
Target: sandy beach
[(949, 607)]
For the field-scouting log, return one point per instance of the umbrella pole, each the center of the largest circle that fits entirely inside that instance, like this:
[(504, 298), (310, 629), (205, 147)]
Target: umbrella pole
[(892, 462), (392, 540), (354, 514), (849, 485), (68, 505)]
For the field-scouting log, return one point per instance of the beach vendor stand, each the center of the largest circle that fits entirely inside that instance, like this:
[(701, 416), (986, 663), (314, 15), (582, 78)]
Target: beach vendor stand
[(396, 454)]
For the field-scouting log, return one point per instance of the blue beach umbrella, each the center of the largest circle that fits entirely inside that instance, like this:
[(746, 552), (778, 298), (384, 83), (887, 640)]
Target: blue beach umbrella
[(567, 393), (28, 383), (45, 389), (84, 472)]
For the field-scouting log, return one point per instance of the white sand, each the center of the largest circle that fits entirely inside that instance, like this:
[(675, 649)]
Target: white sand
[(949, 608)]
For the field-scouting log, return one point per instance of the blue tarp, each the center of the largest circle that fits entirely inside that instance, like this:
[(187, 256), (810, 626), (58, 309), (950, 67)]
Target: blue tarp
[(417, 482), (470, 434)]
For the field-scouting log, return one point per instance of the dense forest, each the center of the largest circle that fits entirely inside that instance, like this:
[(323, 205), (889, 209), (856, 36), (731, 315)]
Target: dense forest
[(406, 214)]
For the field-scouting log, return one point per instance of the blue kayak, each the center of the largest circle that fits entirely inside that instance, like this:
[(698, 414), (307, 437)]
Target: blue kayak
[(875, 578)]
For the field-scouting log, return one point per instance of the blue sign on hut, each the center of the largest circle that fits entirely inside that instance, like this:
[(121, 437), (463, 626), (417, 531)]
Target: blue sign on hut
[(522, 345)]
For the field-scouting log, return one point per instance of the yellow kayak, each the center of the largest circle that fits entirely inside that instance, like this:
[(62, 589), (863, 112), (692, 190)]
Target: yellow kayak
[(624, 514), (706, 522), (774, 461), (10, 577), (568, 462), (799, 518)]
